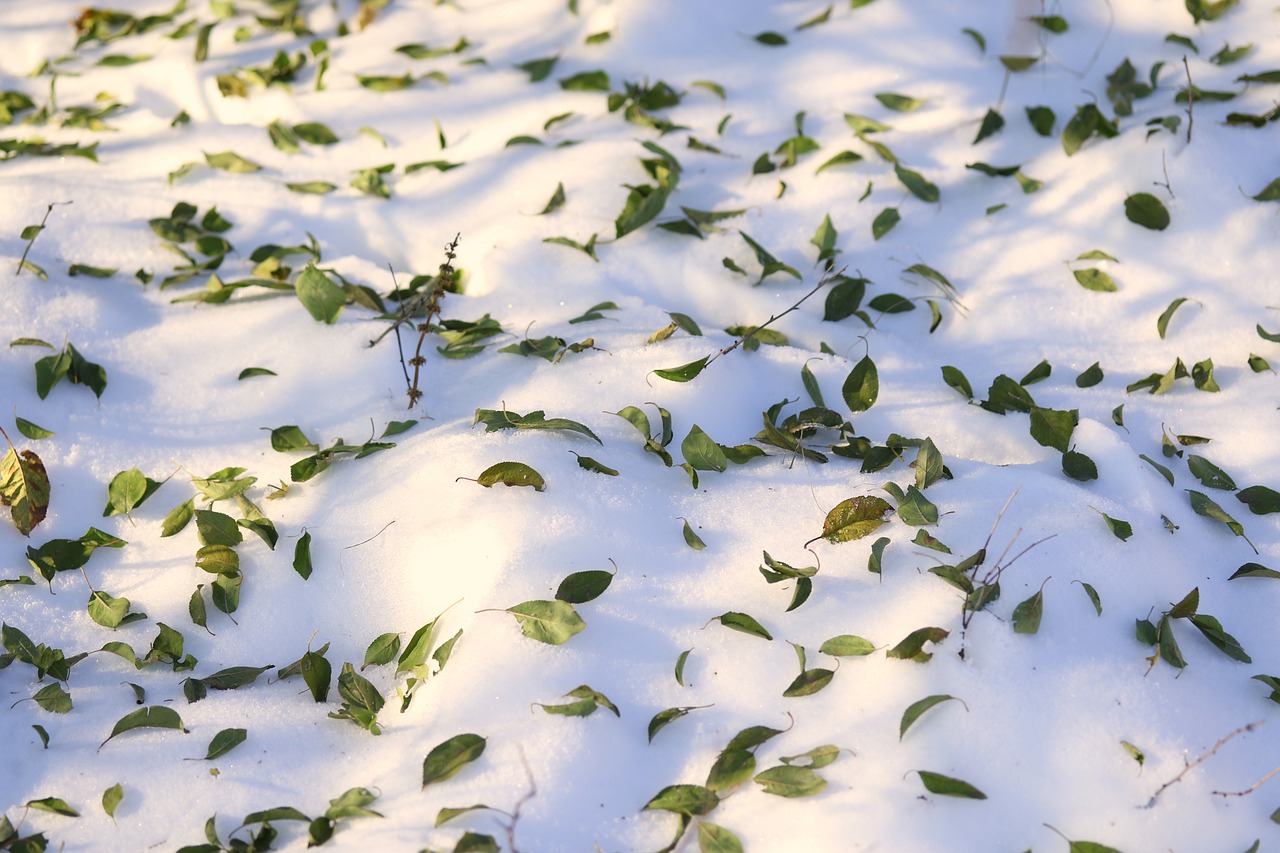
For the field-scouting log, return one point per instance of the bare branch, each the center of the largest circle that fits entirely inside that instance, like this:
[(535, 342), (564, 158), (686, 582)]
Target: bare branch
[(1203, 756)]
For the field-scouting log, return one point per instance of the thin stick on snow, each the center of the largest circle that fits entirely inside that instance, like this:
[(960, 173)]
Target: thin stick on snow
[(1209, 754)]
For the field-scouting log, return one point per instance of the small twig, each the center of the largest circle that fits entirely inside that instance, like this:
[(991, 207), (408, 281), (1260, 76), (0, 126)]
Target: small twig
[(39, 228), (826, 276), (1097, 51), (371, 538), (1206, 755), (1164, 168), (515, 812), (395, 327), (1191, 98), (443, 281), (1255, 786)]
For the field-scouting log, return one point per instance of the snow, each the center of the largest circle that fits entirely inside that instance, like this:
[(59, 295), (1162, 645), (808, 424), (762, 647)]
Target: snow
[(398, 539)]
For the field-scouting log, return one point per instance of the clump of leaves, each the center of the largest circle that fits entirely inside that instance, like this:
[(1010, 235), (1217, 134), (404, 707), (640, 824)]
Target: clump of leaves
[(1160, 635), (645, 201), (70, 364)]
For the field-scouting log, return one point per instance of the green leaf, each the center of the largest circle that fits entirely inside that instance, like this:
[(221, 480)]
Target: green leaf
[(744, 623), (1271, 192), (551, 622), (992, 122), (854, 518), (317, 672), (291, 437), (1093, 596), (1042, 120), (111, 799), (899, 103), (1168, 644), (692, 539), (581, 587), (1162, 322), (1090, 377), (863, 125), (808, 682), (216, 528), (110, 612), (556, 201), (539, 69), (1079, 467), (323, 299), (1208, 474), (255, 371), (511, 474), (1146, 210), (1202, 376), (957, 380), (384, 83), (302, 555), (1053, 428), (1095, 279), (229, 161), (218, 560), (713, 838), (789, 781), (702, 453), (446, 759), (916, 709), (1204, 505), (53, 698), (683, 800), (1122, 530), (916, 184), (662, 719), (884, 222), (586, 81), (841, 159), (1260, 499), (152, 716), (495, 420), (771, 38), (948, 786), (680, 662), (1212, 630), (438, 165), (1018, 63), (915, 509), (1027, 615), (733, 766), (382, 650), (684, 372), (31, 430), (912, 646), (847, 645), (315, 133), (51, 804), (225, 741), (862, 386), (312, 187)]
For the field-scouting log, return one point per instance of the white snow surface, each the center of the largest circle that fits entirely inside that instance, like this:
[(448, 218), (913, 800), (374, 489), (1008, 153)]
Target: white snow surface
[(398, 538)]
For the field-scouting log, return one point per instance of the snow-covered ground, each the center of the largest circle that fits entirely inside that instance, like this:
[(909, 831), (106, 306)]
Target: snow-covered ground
[(1045, 699)]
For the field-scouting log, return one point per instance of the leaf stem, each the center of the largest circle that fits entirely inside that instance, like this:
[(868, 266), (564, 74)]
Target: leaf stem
[(23, 260), (822, 282)]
